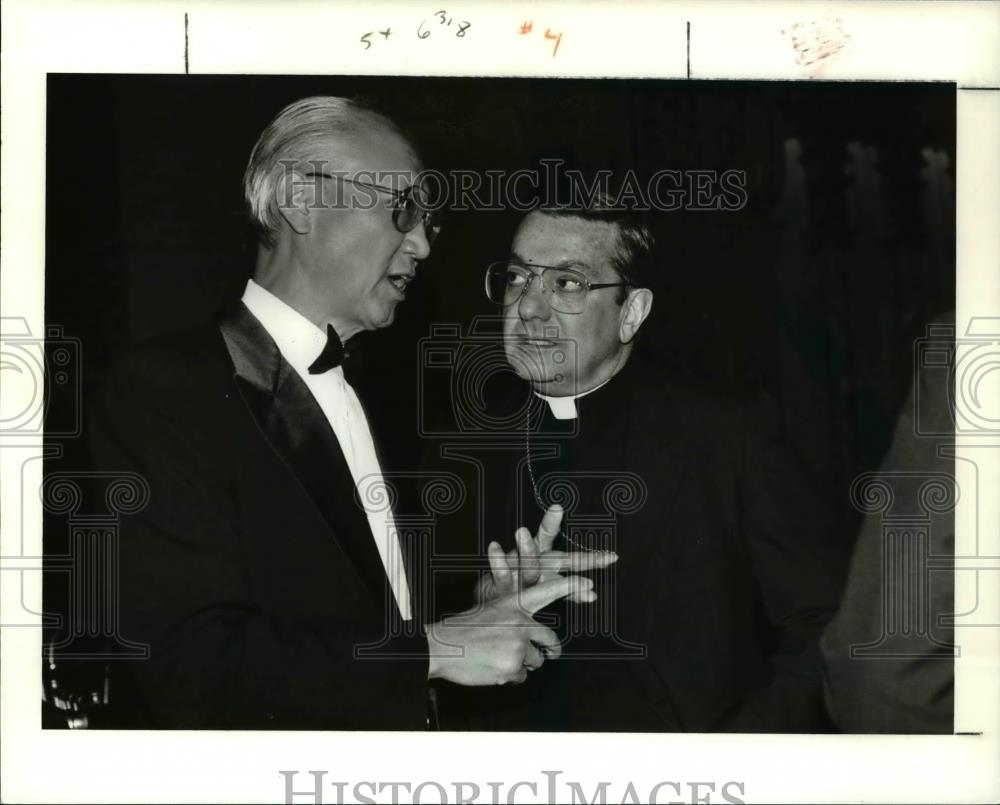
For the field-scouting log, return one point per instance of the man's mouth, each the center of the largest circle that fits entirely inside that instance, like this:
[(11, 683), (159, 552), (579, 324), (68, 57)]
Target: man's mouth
[(400, 280), (534, 341)]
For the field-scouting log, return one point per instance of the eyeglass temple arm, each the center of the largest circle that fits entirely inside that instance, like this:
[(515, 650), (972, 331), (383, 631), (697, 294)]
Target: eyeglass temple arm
[(592, 286), (360, 183)]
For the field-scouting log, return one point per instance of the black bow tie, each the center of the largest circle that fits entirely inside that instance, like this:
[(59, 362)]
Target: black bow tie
[(335, 354)]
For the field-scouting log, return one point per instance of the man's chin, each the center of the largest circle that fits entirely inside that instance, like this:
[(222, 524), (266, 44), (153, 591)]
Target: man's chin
[(384, 317), (550, 386), (543, 379), (528, 366)]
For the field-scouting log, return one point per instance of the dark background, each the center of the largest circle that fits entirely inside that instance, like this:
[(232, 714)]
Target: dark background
[(814, 292)]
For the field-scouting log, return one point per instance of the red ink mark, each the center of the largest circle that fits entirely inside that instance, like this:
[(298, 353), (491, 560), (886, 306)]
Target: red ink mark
[(527, 26), (557, 37)]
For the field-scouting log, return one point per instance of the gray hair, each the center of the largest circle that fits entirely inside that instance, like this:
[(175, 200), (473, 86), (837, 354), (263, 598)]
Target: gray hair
[(296, 135)]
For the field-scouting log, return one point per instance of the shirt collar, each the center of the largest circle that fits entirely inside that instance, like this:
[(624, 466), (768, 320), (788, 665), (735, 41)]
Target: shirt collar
[(298, 339), (565, 407)]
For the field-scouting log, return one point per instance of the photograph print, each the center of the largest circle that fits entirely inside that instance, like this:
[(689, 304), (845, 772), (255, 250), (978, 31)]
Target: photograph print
[(499, 404)]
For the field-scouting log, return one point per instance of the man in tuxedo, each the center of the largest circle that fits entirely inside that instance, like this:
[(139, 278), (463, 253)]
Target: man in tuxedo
[(268, 594), (726, 572)]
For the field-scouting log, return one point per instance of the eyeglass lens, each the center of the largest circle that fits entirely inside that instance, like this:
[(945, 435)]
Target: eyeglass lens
[(410, 211), (506, 284)]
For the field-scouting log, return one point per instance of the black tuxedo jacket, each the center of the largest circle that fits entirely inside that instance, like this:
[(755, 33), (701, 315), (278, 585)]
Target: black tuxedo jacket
[(251, 574), (728, 568)]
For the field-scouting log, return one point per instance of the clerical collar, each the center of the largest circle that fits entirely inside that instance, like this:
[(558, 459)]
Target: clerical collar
[(565, 407)]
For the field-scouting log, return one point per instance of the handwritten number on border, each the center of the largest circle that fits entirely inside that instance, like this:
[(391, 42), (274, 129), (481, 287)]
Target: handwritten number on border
[(423, 31)]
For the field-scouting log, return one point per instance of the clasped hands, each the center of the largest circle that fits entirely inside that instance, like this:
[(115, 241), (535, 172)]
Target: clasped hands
[(499, 641)]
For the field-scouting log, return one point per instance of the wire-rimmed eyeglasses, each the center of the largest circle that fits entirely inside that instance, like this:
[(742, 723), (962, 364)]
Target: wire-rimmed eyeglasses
[(408, 209), (567, 289)]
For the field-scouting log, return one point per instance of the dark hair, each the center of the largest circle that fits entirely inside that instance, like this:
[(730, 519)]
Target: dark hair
[(632, 256)]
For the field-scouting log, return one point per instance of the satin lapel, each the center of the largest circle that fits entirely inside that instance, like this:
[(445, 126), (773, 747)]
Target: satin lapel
[(294, 425)]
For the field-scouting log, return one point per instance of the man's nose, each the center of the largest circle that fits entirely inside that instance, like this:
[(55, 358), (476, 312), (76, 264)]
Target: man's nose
[(417, 243), (534, 303)]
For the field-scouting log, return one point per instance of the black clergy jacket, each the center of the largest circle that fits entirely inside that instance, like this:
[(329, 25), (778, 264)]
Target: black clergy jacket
[(728, 569), (251, 574)]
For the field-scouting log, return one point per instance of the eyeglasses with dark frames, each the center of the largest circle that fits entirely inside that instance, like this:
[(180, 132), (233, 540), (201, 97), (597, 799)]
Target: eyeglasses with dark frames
[(507, 282), (408, 210)]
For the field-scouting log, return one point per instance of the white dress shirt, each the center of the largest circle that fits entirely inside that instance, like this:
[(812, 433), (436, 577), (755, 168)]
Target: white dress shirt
[(300, 343)]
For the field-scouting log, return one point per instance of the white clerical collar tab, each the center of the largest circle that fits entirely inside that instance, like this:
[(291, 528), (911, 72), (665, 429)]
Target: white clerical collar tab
[(561, 407), (565, 407)]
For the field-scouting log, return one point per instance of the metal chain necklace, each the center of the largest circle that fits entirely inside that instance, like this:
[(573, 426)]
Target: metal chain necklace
[(534, 486)]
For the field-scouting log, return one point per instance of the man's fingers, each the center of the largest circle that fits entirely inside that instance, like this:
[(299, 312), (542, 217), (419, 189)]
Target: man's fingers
[(546, 640), (515, 679), (503, 578), (585, 597), (533, 658), (527, 550), (541, 595), (580, 562), (549, 528)]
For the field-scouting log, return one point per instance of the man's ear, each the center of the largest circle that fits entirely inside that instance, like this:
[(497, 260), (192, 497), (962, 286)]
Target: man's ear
[(636, 307), (295, 196)]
